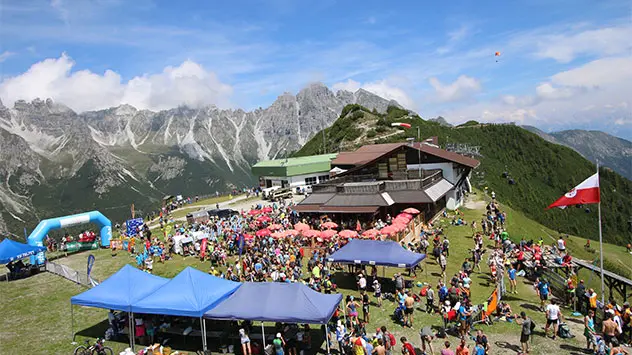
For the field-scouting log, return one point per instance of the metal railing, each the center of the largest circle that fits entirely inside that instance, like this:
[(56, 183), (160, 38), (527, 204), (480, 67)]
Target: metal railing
[(68, 273)]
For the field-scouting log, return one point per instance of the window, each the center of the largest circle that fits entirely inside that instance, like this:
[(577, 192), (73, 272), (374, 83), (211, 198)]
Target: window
[(310, 181), (323, 178)]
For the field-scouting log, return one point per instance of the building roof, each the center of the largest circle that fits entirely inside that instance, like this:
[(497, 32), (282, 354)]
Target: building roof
[(371, 152), (294, 166), (376, 199), (407, 196), (451, 156), (436, 191), (365, 154)]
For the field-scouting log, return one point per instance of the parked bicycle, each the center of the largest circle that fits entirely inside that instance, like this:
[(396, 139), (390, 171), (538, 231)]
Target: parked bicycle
[(97, 349)]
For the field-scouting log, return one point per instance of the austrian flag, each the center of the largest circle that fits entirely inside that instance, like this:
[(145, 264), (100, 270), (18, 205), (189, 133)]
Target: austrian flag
[(585, 193)]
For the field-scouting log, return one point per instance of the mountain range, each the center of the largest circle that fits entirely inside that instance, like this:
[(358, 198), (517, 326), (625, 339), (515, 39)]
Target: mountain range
[(56, 161), (610, 151)]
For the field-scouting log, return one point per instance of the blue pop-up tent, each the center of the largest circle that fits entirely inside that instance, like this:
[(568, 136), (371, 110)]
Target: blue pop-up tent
[(277, 302), (121, 290), (190, 294), (376, 252), (10, 250)]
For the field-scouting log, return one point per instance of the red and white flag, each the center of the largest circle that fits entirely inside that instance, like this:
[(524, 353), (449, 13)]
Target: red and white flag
[(584, 193), (401, 124)]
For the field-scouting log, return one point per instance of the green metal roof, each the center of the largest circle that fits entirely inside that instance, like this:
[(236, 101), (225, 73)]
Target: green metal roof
[(294, 166)]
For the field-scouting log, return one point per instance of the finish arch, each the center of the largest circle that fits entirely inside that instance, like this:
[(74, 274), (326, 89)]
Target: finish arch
[(42, 229)]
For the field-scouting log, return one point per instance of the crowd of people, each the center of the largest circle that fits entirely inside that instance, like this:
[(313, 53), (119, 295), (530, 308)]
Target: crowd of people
[(265, 244)]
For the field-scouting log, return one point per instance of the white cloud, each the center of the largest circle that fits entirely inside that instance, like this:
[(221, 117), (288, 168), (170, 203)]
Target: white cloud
[(383, 88), (600, 42), (462, 88), (84, 90), (5, 55), (595, 94)]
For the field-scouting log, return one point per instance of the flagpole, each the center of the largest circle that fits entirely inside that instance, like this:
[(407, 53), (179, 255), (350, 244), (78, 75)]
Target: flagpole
[(600, 244)]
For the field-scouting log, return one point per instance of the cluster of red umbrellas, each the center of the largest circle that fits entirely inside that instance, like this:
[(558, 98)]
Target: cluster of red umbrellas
[(398, 224), (400, 221)]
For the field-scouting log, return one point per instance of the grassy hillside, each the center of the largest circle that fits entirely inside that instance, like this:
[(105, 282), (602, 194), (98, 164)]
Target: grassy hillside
[(542, 171)]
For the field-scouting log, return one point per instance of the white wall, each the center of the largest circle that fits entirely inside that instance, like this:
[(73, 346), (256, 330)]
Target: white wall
[(294, 181), (447, 168)]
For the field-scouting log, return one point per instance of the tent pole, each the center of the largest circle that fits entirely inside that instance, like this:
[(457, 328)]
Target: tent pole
[(129, 331), (72, 324), (205, 339), (203, 335), (263, 337), (327, 339), (132, 330), (344, 312)]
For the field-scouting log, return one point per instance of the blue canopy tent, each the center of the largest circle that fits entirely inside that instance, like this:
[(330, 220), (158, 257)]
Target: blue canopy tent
[(277, 302), (191, 293), (376, 252), (120, 291), (10, 250)]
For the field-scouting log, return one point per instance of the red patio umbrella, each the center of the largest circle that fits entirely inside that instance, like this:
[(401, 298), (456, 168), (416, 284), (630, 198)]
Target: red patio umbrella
[(388, 230), (411, 210), (327, 234), (292, 232), (400, 220), (249, 237), (358, 226), (408, 216), (311, 233), (254, 212), (263, 232), (329, 225), (348, 233), (370, 233), (398, 227), (300, 226), (277, 235), (264, 218), (275, 227), (266, 209)]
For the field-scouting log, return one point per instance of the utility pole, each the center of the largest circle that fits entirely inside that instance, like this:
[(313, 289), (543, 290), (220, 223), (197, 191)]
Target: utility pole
[(419, 150)]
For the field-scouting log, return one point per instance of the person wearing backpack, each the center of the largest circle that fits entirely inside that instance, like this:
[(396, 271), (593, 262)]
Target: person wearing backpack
[(527, 328), (389, 340)]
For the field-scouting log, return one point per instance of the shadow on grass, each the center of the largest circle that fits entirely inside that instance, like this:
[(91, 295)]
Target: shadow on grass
[(573, 350), (530, 307), (507, 346)]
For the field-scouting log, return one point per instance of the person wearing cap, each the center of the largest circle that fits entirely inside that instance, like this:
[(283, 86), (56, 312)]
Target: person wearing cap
[(278, 344)]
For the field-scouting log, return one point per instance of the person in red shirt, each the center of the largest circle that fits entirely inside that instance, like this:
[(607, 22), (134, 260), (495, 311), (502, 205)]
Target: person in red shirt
[(462, 349), (407, 348)]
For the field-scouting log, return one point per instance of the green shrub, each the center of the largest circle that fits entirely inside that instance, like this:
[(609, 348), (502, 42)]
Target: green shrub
[(371, 134), (380, 129)]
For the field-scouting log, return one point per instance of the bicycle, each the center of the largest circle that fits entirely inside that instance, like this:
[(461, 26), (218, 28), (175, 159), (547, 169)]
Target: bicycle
[(97, 349)]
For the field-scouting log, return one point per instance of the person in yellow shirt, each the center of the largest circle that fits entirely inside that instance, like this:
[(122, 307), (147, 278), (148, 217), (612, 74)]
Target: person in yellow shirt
[(592, 300)]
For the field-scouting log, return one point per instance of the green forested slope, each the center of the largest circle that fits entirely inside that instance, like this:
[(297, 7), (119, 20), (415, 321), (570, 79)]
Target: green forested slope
[(542, 171)]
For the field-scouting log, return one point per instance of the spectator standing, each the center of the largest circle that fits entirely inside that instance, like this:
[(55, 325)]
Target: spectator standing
[(553, 316), (527, 327)]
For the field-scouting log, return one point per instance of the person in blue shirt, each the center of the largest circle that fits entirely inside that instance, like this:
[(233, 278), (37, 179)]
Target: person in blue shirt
[(543, 292), (512, 279), (464, 313)]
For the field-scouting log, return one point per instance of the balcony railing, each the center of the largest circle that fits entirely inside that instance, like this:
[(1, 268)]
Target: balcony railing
[(351, 185)]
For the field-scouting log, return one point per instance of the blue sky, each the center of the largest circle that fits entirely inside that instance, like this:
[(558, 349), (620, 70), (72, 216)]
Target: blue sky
[(563, 64)]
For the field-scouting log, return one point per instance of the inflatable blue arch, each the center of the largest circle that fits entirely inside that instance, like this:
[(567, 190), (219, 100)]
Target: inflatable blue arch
[(42, 229)]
